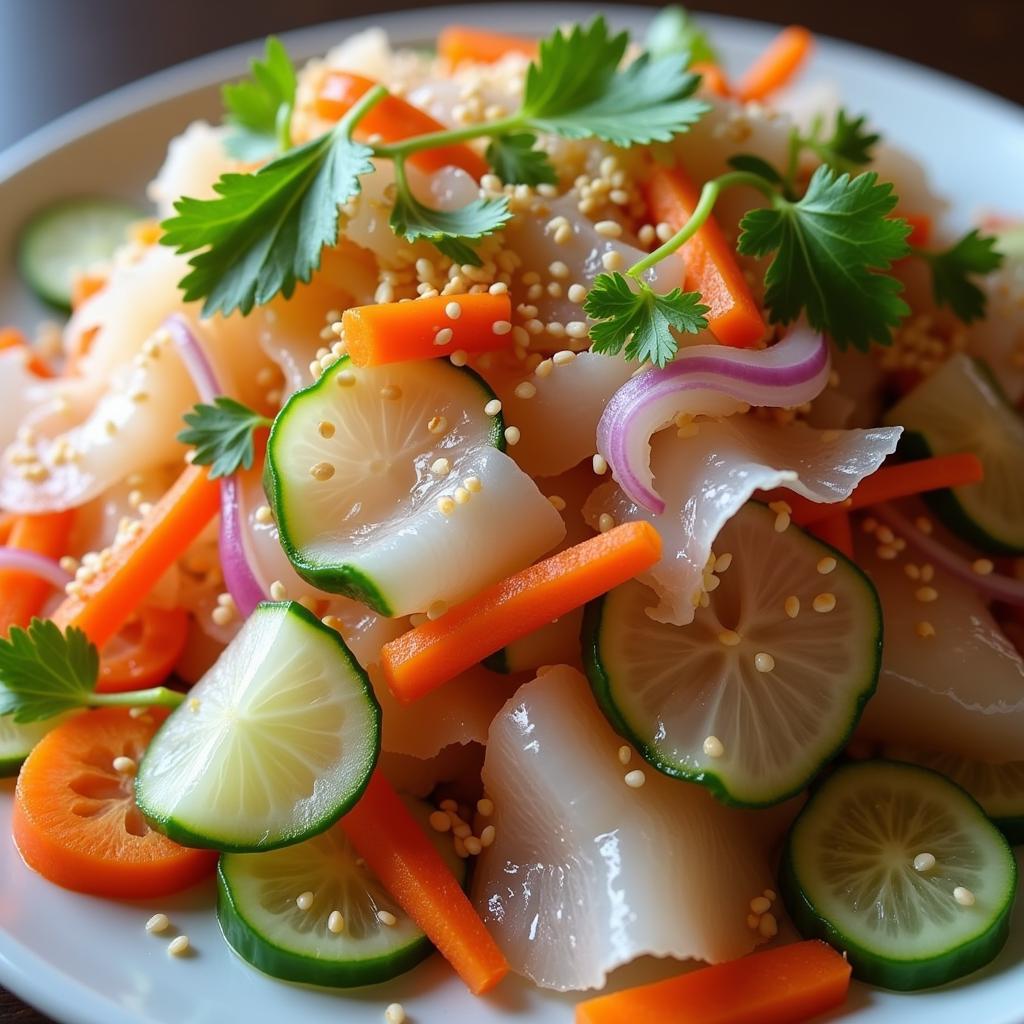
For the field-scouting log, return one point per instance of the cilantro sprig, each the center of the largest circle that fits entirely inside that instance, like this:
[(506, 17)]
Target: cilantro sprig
[(45, 672), (951, 272), (259, 109), (222, 434), (673, 32)]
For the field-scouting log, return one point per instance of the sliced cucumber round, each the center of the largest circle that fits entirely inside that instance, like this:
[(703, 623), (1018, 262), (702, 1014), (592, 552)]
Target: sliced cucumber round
[(273, 744), (999, 788), (961, 408), (68, 237), (17, 741), (745, 699), (849, 875), (263, 923), (339, 532)]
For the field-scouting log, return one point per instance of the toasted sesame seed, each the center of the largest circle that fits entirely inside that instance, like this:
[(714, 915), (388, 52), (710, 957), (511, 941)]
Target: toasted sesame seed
[(322, 471), (634, 779), (178, 946), (492, 408), (459, 357), (473, 484), (387, 918), (768, 927), (723, 561), (927, 572), (764, 662), (924, 524), (487, 835), (826, 565), (500, 327), (525, 390), (346, 378), (613, 260), (605, 521), (557, 502), (608, 228), (713, 746), (558, 270), (445, 505), (453, 311), (729, 637), (125, 765), (791, 606), (577, 294), (983, 566), (599, 465), (924, 629), (394, 1014), (444, 336), (563, 357), (824, 602), (439, 821), (512, 435), (760, 905), (753, 920), (158, 923), (335, 922), (926, 594), (461, 496), (277, 591), (770, 894), (625, 754), (304, 900), (473, 845), (924, 862), (440, 467)]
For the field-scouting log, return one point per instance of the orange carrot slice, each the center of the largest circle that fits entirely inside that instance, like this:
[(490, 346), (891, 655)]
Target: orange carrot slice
[(23, 595), (393, 332), (835, 530), (11, 337), (920, 228), (422, 659), (787, 985), (785, 55), (145, 650), (712, 78), (399, 853), (393, 120), (459, 43), (103, 606), (711, 266)]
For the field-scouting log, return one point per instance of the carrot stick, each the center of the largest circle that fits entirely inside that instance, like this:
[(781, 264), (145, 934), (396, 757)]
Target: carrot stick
[(134, 567), (835, 530), (786, 985), (393, 332), (777, 65), (399, 853), (393, 120), (891, 483), (711, 266), (23, 595), (422, 659), (920, 228), (85, 284), (11, 337), (712, 78), (458, 43)]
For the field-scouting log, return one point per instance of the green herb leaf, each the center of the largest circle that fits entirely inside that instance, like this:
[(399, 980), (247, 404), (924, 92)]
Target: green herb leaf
[(575, 89), (44, 672), (640, 321), (674, 32), (222, 435), (829, 250), (755, 165), (951, 269), (516, 162), (848, 147), (256, 107)]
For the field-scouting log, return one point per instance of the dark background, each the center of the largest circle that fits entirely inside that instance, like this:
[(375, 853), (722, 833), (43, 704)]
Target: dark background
[(56, 54)]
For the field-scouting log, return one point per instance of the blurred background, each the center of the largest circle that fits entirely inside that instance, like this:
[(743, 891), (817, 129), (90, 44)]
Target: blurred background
[(56, 54)]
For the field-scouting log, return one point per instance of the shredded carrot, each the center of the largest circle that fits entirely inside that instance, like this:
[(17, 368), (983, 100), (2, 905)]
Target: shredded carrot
[(11, 337), (712, 78), (711, 266), (393, 332), (835, 530), (891, 483), (136, 564), (422, 659), (920, 228), (785, 55), (7, 521), (399, 853), (85, 285), (146, 231), (23, 595), (393, 120), (459, 43), (786, 985)]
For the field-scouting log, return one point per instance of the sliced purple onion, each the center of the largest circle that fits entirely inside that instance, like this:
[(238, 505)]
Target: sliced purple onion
[(996, 587), (20, 560), (241, 581), (710, 380)]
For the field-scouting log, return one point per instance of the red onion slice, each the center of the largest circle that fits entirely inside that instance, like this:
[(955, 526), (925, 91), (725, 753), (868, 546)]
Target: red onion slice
[(20, 560), (706, 379)]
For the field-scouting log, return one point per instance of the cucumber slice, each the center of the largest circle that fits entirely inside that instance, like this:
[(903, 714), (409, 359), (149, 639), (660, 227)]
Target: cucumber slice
[(670, 689), (67, 237), (961, 408), (557, 643), (273, 745), (999, 788), (848, 875), (17, 741), (258, 913)]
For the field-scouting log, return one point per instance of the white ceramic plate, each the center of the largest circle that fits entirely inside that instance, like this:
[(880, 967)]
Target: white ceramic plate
[(87, 961)]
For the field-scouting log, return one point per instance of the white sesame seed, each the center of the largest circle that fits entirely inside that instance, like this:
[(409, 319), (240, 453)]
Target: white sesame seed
[(926, 594), (461, 496), (525, 390), (500, 327), (563, 357), (125, 765), (346, 378), (728, 637), (387, 918), (608, 228), (605, 521), (158, 923), (563, 234), (444, 336), (459, 357), (439, 821), (713, 746), (558, 270), (512, 435), (221, 615), (768, 927), (178, 946), (304, 900), (322, 471), (437, 424), (964, 896), (612, 260), (453, 311), (663, 231), (278, 591), (792, 606), (394, 1014), (335, 922), (826, 565), (460, 828), (485, 807), (473, 845), (824, 603), (487, 835), (924, 862), (723, 561), (440, 467), (599, 464), (445, 505), (764, 662), (473, 484), (924, 629), (625, 754), (263, 515), (983, 566), (760, 905), (577, 294)]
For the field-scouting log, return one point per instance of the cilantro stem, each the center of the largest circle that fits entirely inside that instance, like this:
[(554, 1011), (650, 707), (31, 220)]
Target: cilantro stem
[(708, 197), (283, 127), (157, 696), (359, 110), (448, 137)]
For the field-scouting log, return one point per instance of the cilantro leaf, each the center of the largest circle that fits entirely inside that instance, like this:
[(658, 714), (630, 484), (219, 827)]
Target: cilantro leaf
[(576, 90), (44, 672), (951, 284), (848, 147), (755, 165), (516, 162), (266, 230), (828, 250), (257, 106), (640, 321), (222, 435), (673, 32)]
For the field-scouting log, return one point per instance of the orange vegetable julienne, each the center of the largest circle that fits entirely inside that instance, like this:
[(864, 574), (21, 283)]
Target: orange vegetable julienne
[(712, 78), (462, 43), (86, 284), (920, 228), (393, 332), (711, 265), (835, 530), (400, 854), (23, 595), (393, 120), (103, 606), (75, 820), (891, 483), (786, 985), (783, 58), (11, 337), (422, 659), (144, 651)]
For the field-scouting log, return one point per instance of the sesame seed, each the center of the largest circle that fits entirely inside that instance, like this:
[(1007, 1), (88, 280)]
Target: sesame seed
[(512, 435), (983, 566), (713, 746), (728, 637), (824, 602), (885, 535), (390, 392), (770, 894), (459, 845), (194, 705), (964, 896), (263, 515), (577, 294), (460, 828), (453, 311), (760, 905), (346, 378), (487, 835), (322, 471), (599, 464), (445, 505), (125, 765), (492, 408), (473, 845), (525, 390), (441, 467), (605, 521), (444, 336), (459, 357), (753, 921), (473, 484), (764, 662), (557, 502), (558, 270), (663, 231), (387, 918), (394, 1014), (926, 594), (612, 260), (722, 562), (927, 572), (608, 228), (461, 496), (634, 779), (563, 234), (826, 565), (563, 357), (500, 327), (924, 629), (625, 754), (886, 552), (277, 591), (439, 821), (768, 927), (924, 862), (178, 946), (221, 616), (912, 571), (158, 923), (304, 900), (782, 521), (791, 606), (335, 922), (924, 524), (577, 329)]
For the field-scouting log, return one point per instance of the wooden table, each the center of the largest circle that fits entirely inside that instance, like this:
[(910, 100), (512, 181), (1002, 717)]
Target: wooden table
[(56, 54)]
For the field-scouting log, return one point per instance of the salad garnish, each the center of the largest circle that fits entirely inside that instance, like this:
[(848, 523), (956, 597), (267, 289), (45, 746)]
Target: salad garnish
[(222, 435), (259, 109)]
